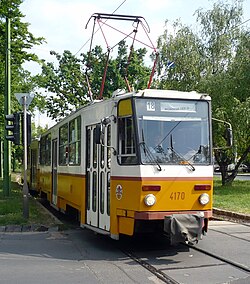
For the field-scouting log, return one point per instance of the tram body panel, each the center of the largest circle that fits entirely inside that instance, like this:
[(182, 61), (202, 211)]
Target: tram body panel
[(33, 173), (71, 187), (169, 196), (45, 181), (174, 194)]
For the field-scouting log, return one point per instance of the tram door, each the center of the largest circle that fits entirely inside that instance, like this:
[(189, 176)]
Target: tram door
[(98, 180), (54, 172)]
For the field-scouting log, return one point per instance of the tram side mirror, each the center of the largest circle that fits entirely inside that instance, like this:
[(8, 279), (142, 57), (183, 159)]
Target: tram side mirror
[(229, 136), (100, 129), (98, 134), (106, 121)]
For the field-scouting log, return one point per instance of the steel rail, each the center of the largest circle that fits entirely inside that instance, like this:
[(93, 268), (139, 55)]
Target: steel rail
[(158, 273), (221, 258)]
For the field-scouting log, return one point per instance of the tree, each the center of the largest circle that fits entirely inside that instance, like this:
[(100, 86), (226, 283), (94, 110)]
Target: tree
[(225, 46), (67, 83), (64, 84), (238, 102), (183, 50), (21, 43), (239, 70), (238, 115), (215, 60), (219, 34), (124, 65)]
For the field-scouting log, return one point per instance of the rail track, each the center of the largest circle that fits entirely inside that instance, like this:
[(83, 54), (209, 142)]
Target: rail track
[(163, 273), (223, 259), (182, 263), (167, 262), (157, 272)]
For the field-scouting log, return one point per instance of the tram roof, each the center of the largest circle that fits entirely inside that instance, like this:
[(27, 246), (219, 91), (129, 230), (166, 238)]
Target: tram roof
[(169, 94), (149, 93), (173, 94), (146, 93), (155, 93)]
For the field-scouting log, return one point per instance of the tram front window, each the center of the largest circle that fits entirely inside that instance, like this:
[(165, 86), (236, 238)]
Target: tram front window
[(173, 131)]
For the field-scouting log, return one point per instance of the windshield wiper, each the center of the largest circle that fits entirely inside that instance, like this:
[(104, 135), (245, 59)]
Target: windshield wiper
[(183, 161), (201, 155), (148, 153)]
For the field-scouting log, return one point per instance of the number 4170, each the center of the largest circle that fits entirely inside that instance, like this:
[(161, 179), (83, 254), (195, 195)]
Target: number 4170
[(177, 195)]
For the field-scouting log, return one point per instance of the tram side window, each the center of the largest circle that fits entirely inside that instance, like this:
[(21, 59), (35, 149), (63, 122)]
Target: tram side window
[(45, 150), (70, 143), (127, 153), (88, 147), (75, 141), (63, 144), (109, 144), (94, 145)]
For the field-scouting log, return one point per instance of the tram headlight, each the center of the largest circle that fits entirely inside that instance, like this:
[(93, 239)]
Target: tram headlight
[(204, 199), (149, 200)]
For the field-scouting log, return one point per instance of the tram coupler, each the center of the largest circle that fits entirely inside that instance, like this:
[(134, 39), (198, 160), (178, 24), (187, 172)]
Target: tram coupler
[(184, 228)]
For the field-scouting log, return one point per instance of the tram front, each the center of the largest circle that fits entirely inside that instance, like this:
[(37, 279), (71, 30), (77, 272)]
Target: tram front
[(174, 137), (165, 151)]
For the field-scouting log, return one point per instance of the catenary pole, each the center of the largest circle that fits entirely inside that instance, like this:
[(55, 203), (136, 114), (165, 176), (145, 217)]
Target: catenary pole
[(7, 98), (25, 162)]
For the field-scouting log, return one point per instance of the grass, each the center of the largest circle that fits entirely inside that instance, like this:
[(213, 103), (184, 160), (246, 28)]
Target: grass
[(233, 198), (11, 209)]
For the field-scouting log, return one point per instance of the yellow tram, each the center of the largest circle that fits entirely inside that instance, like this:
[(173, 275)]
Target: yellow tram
[(137, 162)]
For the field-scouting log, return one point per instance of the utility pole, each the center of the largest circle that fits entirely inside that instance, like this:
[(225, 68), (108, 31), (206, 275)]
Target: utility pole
[(25, 99), (7, 147), (25, 161)]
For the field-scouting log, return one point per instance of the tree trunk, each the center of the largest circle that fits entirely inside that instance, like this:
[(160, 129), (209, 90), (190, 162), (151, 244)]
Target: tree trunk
[(223, 162)]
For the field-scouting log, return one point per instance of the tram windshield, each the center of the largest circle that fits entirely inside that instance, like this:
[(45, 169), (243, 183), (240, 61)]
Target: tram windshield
[(173, 131)]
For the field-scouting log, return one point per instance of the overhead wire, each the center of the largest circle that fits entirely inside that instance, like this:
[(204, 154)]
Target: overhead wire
[(241, 24), (98, 29)]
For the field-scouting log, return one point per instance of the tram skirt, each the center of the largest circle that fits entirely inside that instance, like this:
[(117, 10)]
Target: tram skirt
[(183, 227)]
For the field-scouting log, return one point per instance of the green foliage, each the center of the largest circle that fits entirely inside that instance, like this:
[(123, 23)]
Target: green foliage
[(11, 209), (219, 33), (234, 197), (239, 70), (68, 84), (65, 82), (38, 131), (184, 48), (21, 43), (138, 73), (214, 60)]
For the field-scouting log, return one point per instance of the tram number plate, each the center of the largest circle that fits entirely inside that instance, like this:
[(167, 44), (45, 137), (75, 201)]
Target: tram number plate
[(177, 195)]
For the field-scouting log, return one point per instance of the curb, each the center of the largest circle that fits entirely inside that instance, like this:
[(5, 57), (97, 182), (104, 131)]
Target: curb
[(27, 228), (59, 226), (235, 215)]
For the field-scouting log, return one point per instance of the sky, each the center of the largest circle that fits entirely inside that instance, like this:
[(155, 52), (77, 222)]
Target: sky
[(62, 22)]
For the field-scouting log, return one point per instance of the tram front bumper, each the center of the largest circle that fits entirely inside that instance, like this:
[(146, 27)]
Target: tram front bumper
[(184, 227)]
